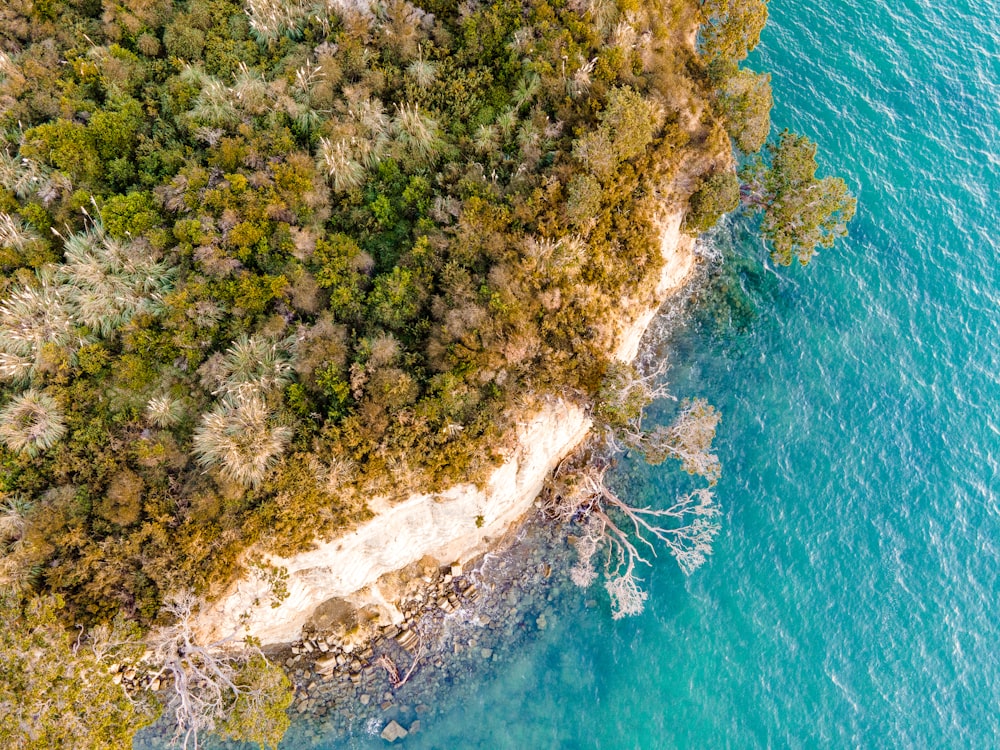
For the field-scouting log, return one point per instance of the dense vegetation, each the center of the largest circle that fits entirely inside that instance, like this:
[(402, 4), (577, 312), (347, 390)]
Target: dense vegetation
[(260, 263)]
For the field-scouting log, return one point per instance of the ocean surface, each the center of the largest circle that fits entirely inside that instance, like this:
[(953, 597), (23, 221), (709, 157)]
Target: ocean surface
[(853, 599)]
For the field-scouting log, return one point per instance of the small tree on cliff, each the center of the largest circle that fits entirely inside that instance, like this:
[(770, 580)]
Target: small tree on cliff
[(732, 28), (718, 194)]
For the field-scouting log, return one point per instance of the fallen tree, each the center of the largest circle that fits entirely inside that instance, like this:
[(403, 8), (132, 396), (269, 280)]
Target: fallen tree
[(580, 494)]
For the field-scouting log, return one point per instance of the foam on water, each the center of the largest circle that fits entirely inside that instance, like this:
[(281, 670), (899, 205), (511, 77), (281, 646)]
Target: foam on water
[(852, 598)]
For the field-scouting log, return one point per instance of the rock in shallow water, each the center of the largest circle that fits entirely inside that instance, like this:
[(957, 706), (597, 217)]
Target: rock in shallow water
[(392, 732)]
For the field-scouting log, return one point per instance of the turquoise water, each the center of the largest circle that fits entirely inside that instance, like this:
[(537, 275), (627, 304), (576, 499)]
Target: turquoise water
[(852, 600)]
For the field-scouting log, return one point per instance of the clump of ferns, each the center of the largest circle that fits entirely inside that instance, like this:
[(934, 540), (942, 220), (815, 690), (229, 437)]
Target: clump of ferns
[(21, 176), (9, 68), (300, 105), (241, 438), (32, 423), (486, 139), (108, 282), (271, 19), (215, 104), (251, 91), (337, 160), (14, 511), (32, 319), (333, 475), (357, 143), (17, 568), (254, 366), (372, 124), (422, 72), (165, 411), (416, 131), (548, 257)]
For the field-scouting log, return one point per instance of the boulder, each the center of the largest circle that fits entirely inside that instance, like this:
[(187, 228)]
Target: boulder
[(327, 664), (393, 731)]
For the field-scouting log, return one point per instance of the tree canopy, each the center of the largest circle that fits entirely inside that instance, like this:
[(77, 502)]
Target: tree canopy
[(732, 28), (801, 212)]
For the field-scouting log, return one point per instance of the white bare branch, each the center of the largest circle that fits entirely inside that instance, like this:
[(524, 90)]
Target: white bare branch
[(686, 529), (205, 680)]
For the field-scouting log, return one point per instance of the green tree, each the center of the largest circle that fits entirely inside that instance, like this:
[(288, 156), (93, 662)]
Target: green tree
[(628, 125), (263, 694), (397, 297), (131, 215), (732, 28), (718, 194), (745, 100), (801, 212), (341, 268), (58, 688)]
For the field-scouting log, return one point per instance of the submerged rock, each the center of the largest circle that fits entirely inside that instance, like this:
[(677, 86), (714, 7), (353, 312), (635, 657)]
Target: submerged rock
[(393, 731)]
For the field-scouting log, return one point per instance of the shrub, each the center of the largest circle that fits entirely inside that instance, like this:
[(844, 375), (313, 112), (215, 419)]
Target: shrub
[(241, 439), (31, 423)]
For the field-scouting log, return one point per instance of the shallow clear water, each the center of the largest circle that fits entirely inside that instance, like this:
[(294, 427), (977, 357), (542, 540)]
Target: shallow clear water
[(852, 600)]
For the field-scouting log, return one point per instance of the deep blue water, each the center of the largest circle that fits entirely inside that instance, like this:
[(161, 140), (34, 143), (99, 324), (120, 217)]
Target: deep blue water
[(852, 600)]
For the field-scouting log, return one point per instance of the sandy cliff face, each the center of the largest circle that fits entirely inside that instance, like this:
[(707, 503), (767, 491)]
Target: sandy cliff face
[(442, 526), (453, 526)]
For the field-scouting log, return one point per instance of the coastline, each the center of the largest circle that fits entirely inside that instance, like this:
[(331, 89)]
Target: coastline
[(449, 528)]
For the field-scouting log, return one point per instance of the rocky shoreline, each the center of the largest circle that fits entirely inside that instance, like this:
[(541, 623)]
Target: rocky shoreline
[(458, 624), (361, 678)]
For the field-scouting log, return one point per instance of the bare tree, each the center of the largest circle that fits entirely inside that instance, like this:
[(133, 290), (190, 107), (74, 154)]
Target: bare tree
[(688, 439), (620, 410), (227, 686), (686, 528)]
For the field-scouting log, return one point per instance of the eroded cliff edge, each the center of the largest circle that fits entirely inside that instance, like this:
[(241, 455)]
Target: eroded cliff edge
[(453, 526)]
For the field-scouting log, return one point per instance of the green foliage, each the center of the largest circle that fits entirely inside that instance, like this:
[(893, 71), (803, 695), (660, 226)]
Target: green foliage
[(114, 132), (732, 28), (131, 215), (397, 297), (182, 40), (627, 127), (66, 146), (340, 267), (259, 713), (801, 212), (745, 100), (59, 692), (718, 194)]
